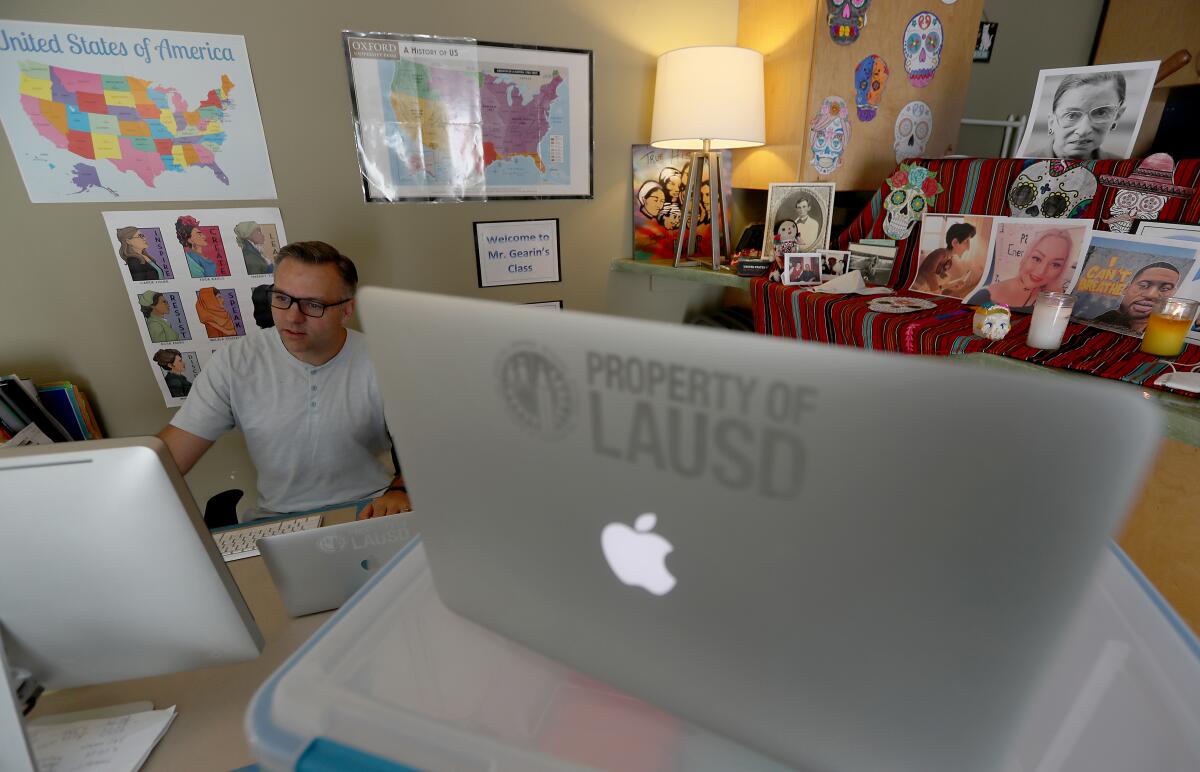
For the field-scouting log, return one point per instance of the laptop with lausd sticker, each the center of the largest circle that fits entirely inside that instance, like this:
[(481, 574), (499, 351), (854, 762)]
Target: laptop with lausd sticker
[(319, 569), (849, 560)]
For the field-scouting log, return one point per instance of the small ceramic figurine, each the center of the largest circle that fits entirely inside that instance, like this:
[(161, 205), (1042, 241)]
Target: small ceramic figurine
[(992, 321)]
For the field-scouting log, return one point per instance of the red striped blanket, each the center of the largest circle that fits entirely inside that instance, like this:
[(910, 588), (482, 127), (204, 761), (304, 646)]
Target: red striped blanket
[(977, 186)]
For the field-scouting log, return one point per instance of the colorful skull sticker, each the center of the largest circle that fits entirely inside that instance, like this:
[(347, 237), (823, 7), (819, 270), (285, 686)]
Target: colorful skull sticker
[(846, 19), (869, 79), (1129, 205), (913, 190), (914, 124), (922, 48), (1052, 189), (828, 135), (1143, 194)]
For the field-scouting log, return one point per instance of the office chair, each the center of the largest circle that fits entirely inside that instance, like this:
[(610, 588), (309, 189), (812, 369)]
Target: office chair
[(221, 509)]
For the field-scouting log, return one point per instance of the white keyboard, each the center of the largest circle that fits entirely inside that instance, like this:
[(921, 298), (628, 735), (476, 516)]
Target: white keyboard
[(240, 541)]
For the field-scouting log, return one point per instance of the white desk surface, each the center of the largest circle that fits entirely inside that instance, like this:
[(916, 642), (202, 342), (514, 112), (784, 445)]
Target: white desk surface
[(207, 733)]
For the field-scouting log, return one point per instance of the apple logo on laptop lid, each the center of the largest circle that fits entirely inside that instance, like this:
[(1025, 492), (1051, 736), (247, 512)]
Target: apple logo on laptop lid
[(637, 555)]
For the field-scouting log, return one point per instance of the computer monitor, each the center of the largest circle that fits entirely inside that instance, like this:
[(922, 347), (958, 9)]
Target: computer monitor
[(107, 571)]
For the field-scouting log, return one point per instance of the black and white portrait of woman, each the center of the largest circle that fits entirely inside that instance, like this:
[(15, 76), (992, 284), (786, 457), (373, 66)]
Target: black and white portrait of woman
[(1085, 113)]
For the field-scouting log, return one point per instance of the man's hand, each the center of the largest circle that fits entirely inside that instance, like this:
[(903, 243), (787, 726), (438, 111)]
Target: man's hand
[(390, 503)]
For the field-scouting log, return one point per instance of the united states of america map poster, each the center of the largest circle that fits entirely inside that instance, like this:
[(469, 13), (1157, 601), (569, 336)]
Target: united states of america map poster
[(119, 114)]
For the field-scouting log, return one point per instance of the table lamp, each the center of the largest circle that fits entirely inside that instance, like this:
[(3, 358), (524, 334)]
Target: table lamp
[(707, 98)]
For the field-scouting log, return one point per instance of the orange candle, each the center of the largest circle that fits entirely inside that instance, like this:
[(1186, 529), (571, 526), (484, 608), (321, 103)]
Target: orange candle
[(1168, 326)]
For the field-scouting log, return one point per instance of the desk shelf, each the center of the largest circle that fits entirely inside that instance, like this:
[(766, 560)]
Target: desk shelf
[(665, 269)]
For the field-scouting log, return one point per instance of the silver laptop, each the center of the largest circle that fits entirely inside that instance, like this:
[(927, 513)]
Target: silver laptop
[(319, 569), (849, 560)]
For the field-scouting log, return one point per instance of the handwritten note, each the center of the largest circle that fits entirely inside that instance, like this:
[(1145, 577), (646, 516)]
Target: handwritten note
[(119, 744)]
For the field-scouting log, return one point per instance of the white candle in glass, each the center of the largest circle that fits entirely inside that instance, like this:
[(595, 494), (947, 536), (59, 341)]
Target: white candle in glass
[(1051, 313)]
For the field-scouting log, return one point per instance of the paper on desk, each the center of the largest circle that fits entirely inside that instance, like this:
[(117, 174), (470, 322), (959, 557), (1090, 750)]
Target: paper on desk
[(30, 435), (119, 744), (850, 284)]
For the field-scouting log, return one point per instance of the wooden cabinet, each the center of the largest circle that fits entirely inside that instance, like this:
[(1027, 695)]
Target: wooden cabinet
[(803, 66)]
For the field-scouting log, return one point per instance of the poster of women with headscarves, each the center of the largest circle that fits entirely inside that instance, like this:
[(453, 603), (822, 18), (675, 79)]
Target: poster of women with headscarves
[(189, 277), (660, 179)]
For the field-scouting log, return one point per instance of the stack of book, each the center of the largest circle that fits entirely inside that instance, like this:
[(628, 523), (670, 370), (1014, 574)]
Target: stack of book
[(875, 258), (38, 415)]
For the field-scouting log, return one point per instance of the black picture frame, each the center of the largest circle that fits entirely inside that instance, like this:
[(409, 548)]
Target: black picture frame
[(534, 50), (985, 43)]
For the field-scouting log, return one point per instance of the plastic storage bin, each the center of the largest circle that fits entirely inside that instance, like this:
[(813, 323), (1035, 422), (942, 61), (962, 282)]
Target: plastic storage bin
[(395, 681)]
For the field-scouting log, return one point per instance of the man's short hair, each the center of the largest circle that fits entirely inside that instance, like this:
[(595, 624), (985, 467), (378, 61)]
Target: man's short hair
[(1159, 264), (320, 253), (959, 232)]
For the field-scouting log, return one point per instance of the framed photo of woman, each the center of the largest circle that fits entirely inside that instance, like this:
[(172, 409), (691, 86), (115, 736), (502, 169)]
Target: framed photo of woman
[(799, 219)]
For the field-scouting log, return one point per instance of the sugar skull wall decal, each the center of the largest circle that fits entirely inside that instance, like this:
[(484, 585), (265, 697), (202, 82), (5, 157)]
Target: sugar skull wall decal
[(1052, 189), (913, 189), (828, 135), (914, 124), (1143, 194), (922, 48), (870, 76), (846, 19)]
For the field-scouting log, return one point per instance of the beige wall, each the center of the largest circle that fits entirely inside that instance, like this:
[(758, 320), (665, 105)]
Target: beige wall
[(65, 311), (1139, 30), (1033, 35)]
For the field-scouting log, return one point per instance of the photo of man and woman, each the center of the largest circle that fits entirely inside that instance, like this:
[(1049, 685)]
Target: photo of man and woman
[(1029, 256), (952, 255), (802, 268)]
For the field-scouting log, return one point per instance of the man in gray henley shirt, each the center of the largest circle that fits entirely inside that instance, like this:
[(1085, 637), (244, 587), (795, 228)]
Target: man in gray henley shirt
[(303, 393)]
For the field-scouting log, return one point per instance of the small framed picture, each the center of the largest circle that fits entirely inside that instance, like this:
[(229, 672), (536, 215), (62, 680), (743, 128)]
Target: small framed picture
[(984, 41), (802, 268), (799, 218), (834, 262)]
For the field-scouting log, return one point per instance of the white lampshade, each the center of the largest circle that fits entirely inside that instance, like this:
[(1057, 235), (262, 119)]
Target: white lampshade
[(708, 92)]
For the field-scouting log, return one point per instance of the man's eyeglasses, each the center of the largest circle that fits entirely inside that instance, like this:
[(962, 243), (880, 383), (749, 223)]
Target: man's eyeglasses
[(308, 306), (1096, 116)]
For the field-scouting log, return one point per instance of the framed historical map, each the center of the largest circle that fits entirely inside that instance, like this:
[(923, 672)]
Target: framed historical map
[(455, 119)]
